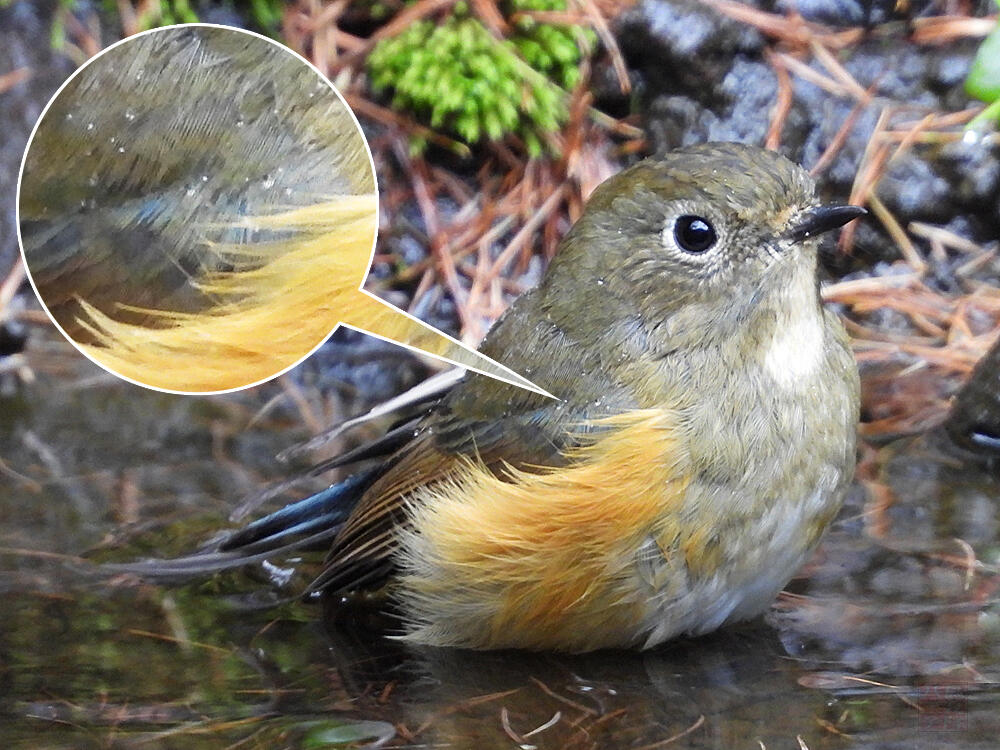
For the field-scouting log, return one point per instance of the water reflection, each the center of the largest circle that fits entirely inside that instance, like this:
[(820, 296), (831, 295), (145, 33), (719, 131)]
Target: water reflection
[(718, 691)]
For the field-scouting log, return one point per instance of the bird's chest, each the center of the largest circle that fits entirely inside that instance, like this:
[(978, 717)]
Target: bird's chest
[(758, 407), (770, 442)]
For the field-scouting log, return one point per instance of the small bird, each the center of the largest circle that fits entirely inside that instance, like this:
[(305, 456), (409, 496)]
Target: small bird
[(702, 440)]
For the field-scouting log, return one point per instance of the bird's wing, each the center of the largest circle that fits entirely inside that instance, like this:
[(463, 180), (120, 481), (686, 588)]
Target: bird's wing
[(483, 421), (361, 554)]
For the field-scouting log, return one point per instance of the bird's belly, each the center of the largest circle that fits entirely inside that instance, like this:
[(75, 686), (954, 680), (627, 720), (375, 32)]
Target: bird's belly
[(749, 528), (758, 561)]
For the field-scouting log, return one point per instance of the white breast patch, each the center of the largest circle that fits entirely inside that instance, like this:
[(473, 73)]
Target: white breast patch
[(796, 350)]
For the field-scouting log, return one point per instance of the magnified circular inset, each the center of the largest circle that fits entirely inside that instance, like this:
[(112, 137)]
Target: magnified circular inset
[(196, 205)]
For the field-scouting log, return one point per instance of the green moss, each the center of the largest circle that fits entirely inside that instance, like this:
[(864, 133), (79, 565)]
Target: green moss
[(267, 15), (454, 75), (459, 78), (171, 12), (983, 81)]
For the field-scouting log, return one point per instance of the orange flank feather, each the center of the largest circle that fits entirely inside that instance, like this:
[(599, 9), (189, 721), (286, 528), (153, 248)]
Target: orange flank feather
[(280, 301), (548, 554)]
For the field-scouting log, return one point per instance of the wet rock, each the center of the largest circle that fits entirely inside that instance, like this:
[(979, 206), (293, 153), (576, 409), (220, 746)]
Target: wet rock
[(833, 12), (911, 187), (223, 15), (685, 44), (13, 336), (674, 121), (974, 421), (976, 184), (364, 369), (858, 12)]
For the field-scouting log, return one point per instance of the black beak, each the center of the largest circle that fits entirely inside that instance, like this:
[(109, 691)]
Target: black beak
[(823, 219)]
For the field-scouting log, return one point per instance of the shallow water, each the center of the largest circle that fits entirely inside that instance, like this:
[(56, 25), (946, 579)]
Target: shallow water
[(888, 640)]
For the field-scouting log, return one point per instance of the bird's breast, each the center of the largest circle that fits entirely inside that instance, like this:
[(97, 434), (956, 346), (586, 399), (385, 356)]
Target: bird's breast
[(794, 352)]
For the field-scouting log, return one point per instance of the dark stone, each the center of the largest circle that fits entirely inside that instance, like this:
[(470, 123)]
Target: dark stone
[(13, 336), (682, 44), (842, 13), (974, 420), (364, 369)]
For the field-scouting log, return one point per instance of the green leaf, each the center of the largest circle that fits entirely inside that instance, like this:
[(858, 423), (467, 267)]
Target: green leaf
[(324, 734), (984, 77)]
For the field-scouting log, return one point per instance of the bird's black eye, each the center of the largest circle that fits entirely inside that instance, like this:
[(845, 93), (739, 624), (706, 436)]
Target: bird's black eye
[(694, 234)]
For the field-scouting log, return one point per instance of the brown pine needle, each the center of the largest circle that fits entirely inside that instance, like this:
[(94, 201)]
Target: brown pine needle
[(838, 140), (838, 71), (947, 29), (600, 25), (946, 237), (670, 740), (806, 73), (898, 234), (14, 77), (783, 103)]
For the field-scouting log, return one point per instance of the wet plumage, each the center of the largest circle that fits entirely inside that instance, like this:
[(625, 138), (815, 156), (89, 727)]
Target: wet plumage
[(703, 439)]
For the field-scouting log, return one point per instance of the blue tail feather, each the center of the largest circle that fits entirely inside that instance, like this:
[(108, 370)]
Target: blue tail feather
[(323, 510), (307, 523)]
